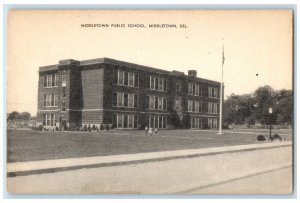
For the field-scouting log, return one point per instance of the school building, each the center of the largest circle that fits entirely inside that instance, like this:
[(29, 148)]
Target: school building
[(124, 95)]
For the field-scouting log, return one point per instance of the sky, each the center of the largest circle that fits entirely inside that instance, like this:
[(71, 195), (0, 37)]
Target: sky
[(257, 45)]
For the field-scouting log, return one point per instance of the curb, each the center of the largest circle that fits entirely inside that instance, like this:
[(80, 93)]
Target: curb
[(202, 152)]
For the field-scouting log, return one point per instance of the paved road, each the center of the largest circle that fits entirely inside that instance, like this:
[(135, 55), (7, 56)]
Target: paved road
[(243, 172)]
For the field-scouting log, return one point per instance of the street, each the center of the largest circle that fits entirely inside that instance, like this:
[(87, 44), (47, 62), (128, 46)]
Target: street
[(263, 171)]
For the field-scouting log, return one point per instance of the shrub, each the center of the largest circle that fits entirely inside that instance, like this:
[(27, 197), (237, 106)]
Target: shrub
[(205, 126), (89, 128), (261, 138), (85, 128), (40, 128), (94, 128), (277, 137), (107, 127), (101, 127)]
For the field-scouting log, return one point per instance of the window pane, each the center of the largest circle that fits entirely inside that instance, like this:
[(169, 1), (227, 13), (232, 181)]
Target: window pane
[(45, 100), (52, 99), (159, 84), (125, 99), (159, 103), (152, 102), (53, 80), (136, 80), (148, 102), (130, 121), (152, 83), (126, 78), (156, 83), (121, 78), (164, 103), (164, 121), (135, 121), (125, 121), (130, 102), (114, 99), (120, 120), (136, 101), (44, 119), (45, 80), (156, 103), (165, 84), (115, 76), (115, 121), (120, 99), (130, 79)]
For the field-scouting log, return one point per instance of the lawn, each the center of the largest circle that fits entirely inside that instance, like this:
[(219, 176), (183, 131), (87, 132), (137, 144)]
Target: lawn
[(27, 145)]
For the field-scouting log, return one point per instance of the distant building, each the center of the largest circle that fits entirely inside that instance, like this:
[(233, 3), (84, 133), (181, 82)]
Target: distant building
[(124, 95)]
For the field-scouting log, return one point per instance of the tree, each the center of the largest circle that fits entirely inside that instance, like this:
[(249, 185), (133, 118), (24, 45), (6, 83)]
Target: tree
[(25, 116), (14, 115)]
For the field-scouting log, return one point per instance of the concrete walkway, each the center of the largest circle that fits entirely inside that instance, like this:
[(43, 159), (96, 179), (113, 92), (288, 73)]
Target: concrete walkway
[(46, 166)]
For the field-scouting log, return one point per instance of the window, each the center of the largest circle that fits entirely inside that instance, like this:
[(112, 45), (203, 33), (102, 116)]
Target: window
[(154, 102), (126, 120), (213, 123), (136, 80), (200, 90), (125, 100), (130, 79), (50, 100), (120, 99), (49, 120), (210, 107), (50, 80), (126, 78), (210, 92), (164, 103), (157, 121), (157, 83), (190, 105), (197, 106), (197, 90), (190, 88), (177, 106), (178, 87), (63, 106), (196, 122), (121, 78), (216, 95)]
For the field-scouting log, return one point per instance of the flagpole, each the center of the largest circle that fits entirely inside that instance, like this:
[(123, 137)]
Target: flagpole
[(221, 94)]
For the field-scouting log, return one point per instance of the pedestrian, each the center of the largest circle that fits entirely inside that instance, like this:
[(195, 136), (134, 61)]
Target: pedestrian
[(150, 131), (146, 130), (155, 131)]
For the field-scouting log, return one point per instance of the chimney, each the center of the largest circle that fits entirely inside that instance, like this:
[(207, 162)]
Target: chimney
[(192, 73)]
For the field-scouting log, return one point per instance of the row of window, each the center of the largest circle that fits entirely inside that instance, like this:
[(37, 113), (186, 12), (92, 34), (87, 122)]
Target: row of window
[(49, 120), (194, 106), (156, 83), (157, 121), (155, 102), (125, 120), (52, 80), (194, 89), (121, 99), (196, 122), (50, 100), (213, 108), (126, 78)]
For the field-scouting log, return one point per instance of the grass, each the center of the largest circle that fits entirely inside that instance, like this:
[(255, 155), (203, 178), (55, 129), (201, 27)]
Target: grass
[(27, 145)]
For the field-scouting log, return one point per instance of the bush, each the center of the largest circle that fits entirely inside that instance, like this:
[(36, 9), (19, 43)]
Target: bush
[(205, 126), (89, 128), (40, 128), (101, 127), (94, 128), (107, 127), (261, 138), (85, 128), (277, 137)]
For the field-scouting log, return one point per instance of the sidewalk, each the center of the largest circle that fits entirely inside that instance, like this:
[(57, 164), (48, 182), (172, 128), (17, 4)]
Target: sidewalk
[(50, 166)]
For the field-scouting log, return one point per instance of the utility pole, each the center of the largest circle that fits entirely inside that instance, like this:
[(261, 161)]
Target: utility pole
[(221, 94)]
